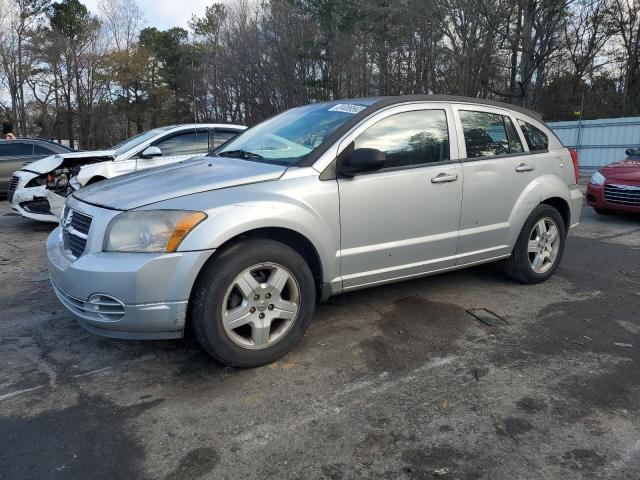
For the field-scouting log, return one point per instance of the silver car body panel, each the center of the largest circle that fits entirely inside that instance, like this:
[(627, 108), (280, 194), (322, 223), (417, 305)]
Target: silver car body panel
[(176, 180), (371, 229)]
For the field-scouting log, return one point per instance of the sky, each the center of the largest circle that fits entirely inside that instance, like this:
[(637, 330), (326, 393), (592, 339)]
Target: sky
[(164, 14)]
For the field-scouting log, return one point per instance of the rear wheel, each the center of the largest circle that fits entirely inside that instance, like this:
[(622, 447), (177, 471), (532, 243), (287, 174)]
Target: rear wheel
[(253, 303), (539, 247)]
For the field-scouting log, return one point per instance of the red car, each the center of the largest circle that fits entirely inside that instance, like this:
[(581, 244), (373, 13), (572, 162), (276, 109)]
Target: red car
[(616, 187)]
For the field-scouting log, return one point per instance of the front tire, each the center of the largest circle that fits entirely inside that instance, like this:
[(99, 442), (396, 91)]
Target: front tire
[(539, 247), (253, 303)]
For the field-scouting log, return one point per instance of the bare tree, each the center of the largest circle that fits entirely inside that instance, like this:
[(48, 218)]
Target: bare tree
[(626, 22), (19, 19), (124, 20)]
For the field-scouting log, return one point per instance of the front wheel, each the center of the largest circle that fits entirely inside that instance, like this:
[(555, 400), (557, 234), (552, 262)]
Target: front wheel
[(539, 247), (253, 302)]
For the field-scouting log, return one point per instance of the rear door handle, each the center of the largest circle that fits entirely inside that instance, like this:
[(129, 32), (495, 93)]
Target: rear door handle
[(443, 178), (523, 167)]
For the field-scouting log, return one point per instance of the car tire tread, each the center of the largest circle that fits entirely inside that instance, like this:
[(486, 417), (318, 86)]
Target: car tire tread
[(517, 266), (214, 280)]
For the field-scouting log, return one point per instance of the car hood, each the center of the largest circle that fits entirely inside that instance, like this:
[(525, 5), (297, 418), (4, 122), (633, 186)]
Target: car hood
[(176, 180), (624, 170), (47, 164)]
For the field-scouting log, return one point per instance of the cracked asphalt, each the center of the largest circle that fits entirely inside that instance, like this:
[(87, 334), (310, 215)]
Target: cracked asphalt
[(395, 382)]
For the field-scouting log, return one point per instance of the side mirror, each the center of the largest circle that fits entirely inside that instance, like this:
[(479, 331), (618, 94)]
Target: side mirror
[(629, 152), (151, 152), (361, 160)]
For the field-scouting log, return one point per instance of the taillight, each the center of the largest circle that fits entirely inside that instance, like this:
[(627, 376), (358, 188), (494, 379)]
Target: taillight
[(576, 163)]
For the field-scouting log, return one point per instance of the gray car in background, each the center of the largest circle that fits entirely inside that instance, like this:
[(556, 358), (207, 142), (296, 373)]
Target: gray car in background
[(15, 154), (319, 200)]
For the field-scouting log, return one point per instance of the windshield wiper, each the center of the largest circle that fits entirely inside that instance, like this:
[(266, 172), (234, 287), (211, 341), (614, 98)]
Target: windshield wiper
[(240, 154)]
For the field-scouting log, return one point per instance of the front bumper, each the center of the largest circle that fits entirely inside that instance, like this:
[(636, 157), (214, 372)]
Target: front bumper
[(31, 202), (576, 206), (596, 198), (126, 295)]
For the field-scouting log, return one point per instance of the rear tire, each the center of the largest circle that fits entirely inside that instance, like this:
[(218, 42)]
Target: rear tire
[(539, 247), (253, 302)]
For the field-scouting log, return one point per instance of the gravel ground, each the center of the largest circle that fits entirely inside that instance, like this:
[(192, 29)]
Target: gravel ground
[(393, 382)]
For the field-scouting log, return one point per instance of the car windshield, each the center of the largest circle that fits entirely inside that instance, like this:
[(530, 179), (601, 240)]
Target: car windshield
[(136, 140), (289, 137)]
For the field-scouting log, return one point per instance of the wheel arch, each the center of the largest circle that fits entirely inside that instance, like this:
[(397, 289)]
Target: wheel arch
[(287, 236), (563, 208), (90, 171), (546, 189), (95, 179)]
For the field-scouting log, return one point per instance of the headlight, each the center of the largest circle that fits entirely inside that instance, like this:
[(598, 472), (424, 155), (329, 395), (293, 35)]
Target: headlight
[(150, 230), (597, 178)]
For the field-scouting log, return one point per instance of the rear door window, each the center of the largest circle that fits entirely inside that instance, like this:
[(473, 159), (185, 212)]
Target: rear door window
[(187, 143), (410, 138), (219, 137), (41, 150), (489, 134), (536, 139)]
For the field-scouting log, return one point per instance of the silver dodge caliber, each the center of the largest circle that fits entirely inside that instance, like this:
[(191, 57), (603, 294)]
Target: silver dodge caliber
[(318, 200)]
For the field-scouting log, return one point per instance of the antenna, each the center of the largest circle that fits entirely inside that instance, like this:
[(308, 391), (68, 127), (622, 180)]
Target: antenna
[(193, 93), (193, 102)]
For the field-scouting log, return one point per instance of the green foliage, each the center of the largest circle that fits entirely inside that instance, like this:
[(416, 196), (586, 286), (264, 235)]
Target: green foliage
[(69, 17)]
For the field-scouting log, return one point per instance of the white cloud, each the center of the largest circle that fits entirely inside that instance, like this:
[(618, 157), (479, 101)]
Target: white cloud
[(164, 14)]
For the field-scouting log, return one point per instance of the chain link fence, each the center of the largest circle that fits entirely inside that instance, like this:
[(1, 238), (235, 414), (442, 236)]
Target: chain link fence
[(601, 126), (589, 105)]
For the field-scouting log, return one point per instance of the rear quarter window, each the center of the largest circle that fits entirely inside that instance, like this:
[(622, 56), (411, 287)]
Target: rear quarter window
[(536, 139)]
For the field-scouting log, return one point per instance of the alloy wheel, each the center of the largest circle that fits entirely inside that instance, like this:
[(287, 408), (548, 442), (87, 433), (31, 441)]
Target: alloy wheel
[(544, 245), (260, 305)]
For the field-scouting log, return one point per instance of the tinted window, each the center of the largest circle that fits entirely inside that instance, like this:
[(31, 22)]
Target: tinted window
[(218, 137), (410, 138), (488, 134), (15, 149), (536, 138), (188, 143), (133, 142), (40, 150)]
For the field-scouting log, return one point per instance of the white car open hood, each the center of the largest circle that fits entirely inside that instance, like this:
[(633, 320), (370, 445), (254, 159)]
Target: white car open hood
[(47, 164)]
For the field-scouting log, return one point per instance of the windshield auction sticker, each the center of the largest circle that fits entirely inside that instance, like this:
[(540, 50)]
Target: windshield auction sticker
[(347, 108)]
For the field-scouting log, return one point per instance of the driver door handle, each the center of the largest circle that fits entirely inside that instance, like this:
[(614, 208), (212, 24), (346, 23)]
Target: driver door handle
[(523, 167), (444, 178)]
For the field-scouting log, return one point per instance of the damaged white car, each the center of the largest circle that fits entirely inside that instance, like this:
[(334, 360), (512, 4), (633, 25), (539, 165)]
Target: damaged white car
[(38, 191)]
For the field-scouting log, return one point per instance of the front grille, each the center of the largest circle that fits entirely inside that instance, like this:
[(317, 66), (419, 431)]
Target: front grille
[(81, 222), (14, 183), (75, 230), (622, 194)]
